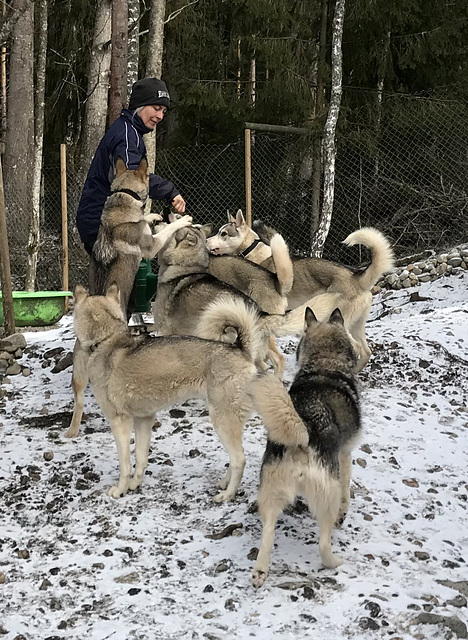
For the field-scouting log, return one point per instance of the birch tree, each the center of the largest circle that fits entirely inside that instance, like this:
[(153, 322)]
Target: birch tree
[(118, 89), (95, 116), (154, 66), (329, 146), (133, 43), (35, 222), (20, 126)]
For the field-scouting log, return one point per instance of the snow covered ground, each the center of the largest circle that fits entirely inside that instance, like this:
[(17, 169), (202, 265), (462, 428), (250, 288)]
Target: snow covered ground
[(76, 564)]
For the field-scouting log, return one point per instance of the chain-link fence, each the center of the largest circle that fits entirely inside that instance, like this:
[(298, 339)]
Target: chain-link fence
[(401, 166)]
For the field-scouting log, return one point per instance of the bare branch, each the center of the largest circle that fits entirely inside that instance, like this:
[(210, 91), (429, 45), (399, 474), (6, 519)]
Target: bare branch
[(174, 14)]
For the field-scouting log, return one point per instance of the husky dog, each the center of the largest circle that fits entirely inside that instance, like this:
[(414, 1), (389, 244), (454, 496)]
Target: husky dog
[(135, 376), (125, 236), (351, 289), (311, 433), (186, 287)]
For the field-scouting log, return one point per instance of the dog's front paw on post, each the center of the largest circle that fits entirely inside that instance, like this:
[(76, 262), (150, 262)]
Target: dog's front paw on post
[(258, 578)]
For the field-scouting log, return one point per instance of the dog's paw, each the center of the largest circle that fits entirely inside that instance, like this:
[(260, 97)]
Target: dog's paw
[(331, 561), (224, 496), (341, 518), (185, 221), (72, 432), (135, 482), (117, 492), (258, 578), (153, 217)]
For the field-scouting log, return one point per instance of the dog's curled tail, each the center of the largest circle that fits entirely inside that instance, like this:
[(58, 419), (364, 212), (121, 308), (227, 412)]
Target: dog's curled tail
[(280, 418), (382, 254), (283, 264), (228, 319)]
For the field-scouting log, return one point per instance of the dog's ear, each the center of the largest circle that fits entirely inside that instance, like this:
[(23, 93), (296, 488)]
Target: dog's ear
[(336, 317), (113, 292), (79, 294), (190, 238), (120, 166), (142, 170), (231, 218), (207, 229), (310, 317), (239, 220)]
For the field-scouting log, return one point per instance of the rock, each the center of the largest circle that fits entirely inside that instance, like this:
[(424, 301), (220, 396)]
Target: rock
[(292, 586), (63, 364), (26, 371), (45, 584), (411, 482), (177, 413), (458, 601), (453, 623), (48, 455), (421, 555), (14, 369), (461, 586), (23, 554), (361, 462), (128, 578), (2, 578), (13, 342), (231, 604), (368, 623)]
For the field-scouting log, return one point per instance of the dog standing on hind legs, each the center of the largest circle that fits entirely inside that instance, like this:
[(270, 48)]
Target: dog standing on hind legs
[(311, 433)]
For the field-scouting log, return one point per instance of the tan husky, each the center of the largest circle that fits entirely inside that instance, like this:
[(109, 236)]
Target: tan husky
[(321, 284), (133, 377), (125, 235)]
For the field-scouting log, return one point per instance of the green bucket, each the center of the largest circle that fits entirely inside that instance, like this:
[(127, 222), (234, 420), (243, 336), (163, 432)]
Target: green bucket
[(37, 308)]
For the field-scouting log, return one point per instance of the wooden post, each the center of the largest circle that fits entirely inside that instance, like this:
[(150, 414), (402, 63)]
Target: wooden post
[(7, 295), (248, 179), (63, 184)]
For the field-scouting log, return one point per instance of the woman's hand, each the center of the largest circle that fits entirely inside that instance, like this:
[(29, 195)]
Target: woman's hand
[(179, 204)]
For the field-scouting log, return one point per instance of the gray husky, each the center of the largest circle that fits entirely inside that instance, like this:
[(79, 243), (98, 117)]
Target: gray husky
[(321, 284), (186, 286), (135, 376), (125, 236), (311, 433)]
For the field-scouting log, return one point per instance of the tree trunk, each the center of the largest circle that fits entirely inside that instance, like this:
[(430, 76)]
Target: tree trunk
[(35, 223), (19, 138), (154, 67), (381, 71), (329, 146), (95, 116), (317, 144), (133, 43), (118, 91)]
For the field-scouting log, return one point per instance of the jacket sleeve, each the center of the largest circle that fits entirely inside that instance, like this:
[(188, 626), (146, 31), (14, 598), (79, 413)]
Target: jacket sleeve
[(161, 189)]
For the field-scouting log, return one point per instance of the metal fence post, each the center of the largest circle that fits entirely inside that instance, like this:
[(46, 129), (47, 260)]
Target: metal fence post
[(63, 189), (248, 179)]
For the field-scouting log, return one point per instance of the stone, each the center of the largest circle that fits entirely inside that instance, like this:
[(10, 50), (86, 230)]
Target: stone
[(455, 262), (453, 623), (128, 578), (14, 369), (13, 342)]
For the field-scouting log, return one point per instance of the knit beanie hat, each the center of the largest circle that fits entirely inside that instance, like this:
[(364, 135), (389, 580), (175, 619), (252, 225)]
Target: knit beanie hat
[(149, 91)]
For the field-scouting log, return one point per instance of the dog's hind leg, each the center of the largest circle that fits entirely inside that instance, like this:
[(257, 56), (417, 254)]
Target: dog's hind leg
[(345, 478), (325, 502), (271, 502), (79, 382), (277, 358), (229, 426), (142, 442), (122, 428)]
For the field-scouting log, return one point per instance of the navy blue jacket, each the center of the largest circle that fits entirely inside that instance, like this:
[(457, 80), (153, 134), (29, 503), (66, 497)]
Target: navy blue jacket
[(124, 138)]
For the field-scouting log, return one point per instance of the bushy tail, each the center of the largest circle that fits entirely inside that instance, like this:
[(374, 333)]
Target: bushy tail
[(228, 319), (382, 255), (264, 232), (291, 323), (280, 418), (283, 264)]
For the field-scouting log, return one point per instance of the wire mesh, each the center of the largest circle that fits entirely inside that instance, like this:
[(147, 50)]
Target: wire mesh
[(402, 168)]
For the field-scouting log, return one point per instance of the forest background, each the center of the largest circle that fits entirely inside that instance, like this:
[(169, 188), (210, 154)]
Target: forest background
[(392, 75)]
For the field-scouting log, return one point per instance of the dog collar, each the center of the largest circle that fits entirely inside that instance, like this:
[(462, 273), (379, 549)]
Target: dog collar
[(129, 192), (250, 248)]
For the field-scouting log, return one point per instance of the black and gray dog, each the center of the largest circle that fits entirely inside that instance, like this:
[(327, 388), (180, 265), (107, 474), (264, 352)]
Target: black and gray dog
[(311, 433)]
